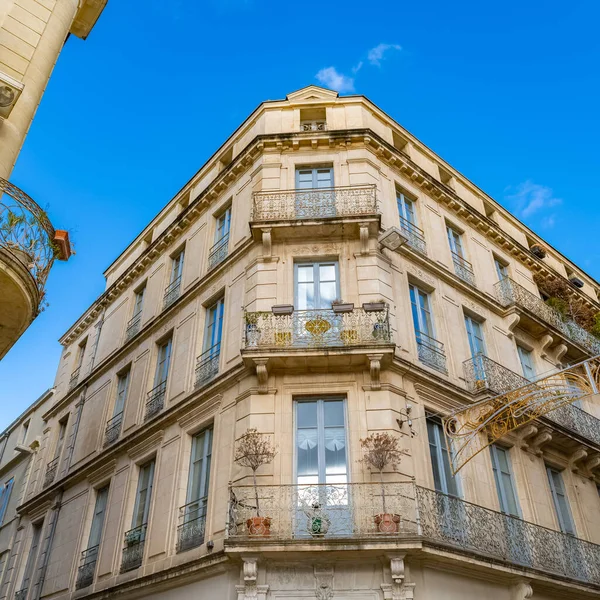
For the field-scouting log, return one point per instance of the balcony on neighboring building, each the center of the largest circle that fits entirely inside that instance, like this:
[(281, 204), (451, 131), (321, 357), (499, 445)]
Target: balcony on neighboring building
[(431, 352), (172, 293), (133, 553), (51, 470), (415, 238), (192, 525), (219, 252), (85, 572), (113, 429), (207, 365), (21, 594), (510, 293), (338, 211), (156, 400), (29, 245), (402, 512), (463, 269), (133, 326), (74, 379)]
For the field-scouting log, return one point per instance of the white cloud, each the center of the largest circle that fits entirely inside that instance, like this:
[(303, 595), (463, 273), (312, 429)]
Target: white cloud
[(530, 199), (339, 82), (377, 54)]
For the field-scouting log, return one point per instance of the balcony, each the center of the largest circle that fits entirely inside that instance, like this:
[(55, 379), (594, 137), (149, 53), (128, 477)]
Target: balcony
[(319, 513), (463, 269), (172, 293), (113, 429), (156, 400), (192, 525), (133, 326), (313, 126), (510, 293), (74, 378), (85, 573), (219, 252), (133, 553), (207, 365), (29, 245), (51, 469), (431, 352), (415, 237), (21, 594)]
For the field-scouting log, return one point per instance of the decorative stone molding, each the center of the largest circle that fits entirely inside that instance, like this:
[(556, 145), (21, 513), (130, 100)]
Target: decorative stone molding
[(102, 473), (375, 370), (262, 375), (364, 238), (546, 341), (593, 462), (512, 323), (526, 433), (398, 589), (541, 439), (561, 350), (266, 243), (145, 446), (250, 590), (522, 591), (579, 455), (323, 582), (200, 413)]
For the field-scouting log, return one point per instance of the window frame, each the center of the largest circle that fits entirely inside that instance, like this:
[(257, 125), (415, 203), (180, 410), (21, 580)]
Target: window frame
[(226, 214), (101, 495), (218, 306), (414, 292), (501, 268), (166, 343), (315, 182), (5, 494), (402, 198), (566, 522), (206, 458), (177, 262), (497, 472), (470, 322), (455, 241), (438, 446), (317, 281), (125, 374), (529, 354), (151, 465)]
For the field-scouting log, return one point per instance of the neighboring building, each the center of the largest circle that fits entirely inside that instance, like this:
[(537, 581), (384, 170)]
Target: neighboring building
[(32, 35), (135, 492), (19, 443)]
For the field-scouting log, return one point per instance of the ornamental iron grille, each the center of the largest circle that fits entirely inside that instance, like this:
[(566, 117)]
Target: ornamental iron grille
[(317, 328), (172, 293), (133, 553), (74, 378), (313, 126), (51, 469), (322, 203), (463, 269), (21, 594), (26, 233), (431, 352), (85, 573), (508, 292), (133, 326), (207, 364), (113, 429), (322, 510), (470, 430), (192, 525), (219, 252), (415, 237), (156, 400), (482, 373)]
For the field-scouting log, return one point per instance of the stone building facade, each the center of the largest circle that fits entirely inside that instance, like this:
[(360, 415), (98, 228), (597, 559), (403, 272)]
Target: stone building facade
[(324, 276)]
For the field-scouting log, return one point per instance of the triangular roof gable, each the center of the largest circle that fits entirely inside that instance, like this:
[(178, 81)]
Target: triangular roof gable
[(312, 93)]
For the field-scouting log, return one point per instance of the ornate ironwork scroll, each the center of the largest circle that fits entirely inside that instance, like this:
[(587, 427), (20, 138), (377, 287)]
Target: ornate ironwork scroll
[(192, 525), (156, 400), (470, 430), (133, 553), (464, 269), (172, 293), (414, 236), (219, 252), (85, 573), (207, 364)]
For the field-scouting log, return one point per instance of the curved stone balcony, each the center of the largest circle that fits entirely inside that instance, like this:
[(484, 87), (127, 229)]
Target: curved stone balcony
[(28, 247)]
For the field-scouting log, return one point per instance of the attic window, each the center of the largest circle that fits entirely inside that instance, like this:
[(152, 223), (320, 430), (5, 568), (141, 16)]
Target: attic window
[(399, 141), (313, 119), (490, 211), (445, 176), (226, 158)]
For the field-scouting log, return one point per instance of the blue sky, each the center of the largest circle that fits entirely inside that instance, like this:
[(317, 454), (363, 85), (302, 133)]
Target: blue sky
[(506, 92)]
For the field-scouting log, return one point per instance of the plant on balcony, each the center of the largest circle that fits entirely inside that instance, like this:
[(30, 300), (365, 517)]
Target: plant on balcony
[(253, 450), (382, 450), (252, 328), (538, 250)]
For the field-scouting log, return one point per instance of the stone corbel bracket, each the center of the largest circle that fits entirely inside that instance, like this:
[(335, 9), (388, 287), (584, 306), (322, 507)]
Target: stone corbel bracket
[(323, 582), (375, 370), (546, 341), (541, 439), (250, 590), (576, 458), (266, 243), (262, 374), (522, 591), (399, 589)]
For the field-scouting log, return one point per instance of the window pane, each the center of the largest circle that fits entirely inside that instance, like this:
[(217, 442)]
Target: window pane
[(327, 273), (306, 414), (334, 413), (328, 293), (335, 450), (308, 452), (305, 273)]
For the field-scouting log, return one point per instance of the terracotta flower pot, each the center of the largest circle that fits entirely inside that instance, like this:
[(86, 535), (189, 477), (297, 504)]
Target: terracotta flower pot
[(387, 523), (259, 526)]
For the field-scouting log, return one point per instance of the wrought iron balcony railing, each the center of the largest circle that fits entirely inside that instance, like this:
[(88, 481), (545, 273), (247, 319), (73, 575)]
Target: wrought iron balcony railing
[(85, 573), (414, 235), (463, 269), (431, 352), (113, 429), (172, 293), (21, 594), (207, 364), (133, 326), (51, 469), (482, 373), (74, 378), (27, 234), (325, 203), (358, 510), (509, 292), (313, 126), (219, 252), (156, 400), (192, 525), (133, 553), (317, 328)]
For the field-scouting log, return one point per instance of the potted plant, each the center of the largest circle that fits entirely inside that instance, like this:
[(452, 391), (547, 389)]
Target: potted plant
[(374, 306), (134, 536), (252, 328), (538, 250), (253, 450), (339, 306), (380, 451)]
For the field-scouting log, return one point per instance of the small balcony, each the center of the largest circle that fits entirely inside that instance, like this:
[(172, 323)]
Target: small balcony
[(192, 525), (51, 470), (85, 573), (133, 326), (415, 238), (21, 594), (172, 293), (403, 512), (313, 126), (207, 365), (431, 352), (74, 378), (113, 429), (218, 253), (133, 553), (463, 269), (510, 293), (156, 400)]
